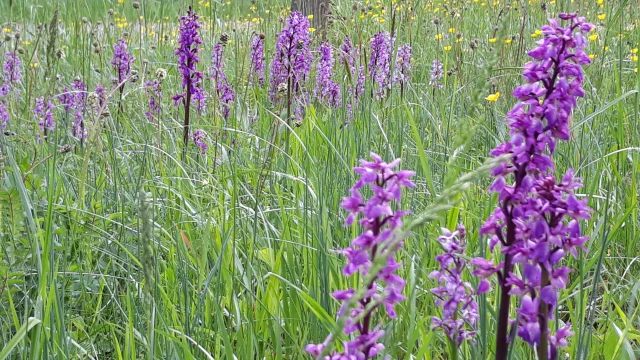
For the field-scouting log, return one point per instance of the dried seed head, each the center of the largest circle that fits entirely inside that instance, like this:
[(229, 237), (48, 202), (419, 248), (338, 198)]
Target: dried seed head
[(20, 50), (153, 47), (114, 81), (97, 49), (262, 36), (134, 76), (161, 74), (60, 54), (64, 149), (166, 37), (110, 12), (300, 45), (136, 5), (17, 36), (224, 38), (84, 20), (435, 21), (282, 87), (92, 99), (125, 34), (96, 44)]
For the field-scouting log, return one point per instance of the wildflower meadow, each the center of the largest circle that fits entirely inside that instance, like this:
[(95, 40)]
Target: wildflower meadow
[(314, 179)]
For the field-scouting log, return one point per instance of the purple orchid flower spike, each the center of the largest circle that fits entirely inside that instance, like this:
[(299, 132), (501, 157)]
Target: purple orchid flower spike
[(537, 221), (379, 221)]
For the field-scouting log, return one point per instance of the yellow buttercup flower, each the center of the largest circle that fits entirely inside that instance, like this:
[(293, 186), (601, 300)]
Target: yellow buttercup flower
[(447, 48), (537, 33), (452, 30), (493, 97), (508, 41), (592, 56), (6, 30), (593, 37), (602, 16), (312, 29), (634, 58), (634, 51), (381, 20), (310, 17), (439, 37), (492, 40)]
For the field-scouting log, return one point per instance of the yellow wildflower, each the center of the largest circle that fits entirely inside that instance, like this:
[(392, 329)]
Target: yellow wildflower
[(447, 48), (593, 37), (537, 33), (602, 16), (439, 37), (312, 29), (507, 41), (493, 97), (492, 40)]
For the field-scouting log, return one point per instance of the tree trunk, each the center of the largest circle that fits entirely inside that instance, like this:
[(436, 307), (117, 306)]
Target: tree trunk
[(318, 8)]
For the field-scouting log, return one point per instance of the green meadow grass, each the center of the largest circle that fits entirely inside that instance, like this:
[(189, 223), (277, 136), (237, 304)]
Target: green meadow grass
[(130, 246)]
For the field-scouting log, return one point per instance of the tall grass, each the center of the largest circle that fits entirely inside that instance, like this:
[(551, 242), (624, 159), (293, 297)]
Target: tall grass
[(122, 249)]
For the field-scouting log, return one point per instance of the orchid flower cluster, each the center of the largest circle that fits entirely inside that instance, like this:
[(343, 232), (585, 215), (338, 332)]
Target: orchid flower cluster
[(225, 93), (537, 222), (153, 89), (291, 62), (402, 72), (74, 101), (356, 75), (256, 69), (122, 61), (11, 77), (188, 59), (437, 72), (382, 45), (43, 113), (327, 90), (379, 222), (454, 296), (189, 47)]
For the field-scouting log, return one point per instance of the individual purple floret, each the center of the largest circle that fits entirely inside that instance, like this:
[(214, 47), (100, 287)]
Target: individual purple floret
[(379, 221), (380, 62), (538, 220), (122, 61), (402, 71), (454, 296), (292, 58), (437, 72), (43, 113), (225, 93), (11, 74), (199, 140), (187, 60), (327, 90), (256, 69)]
